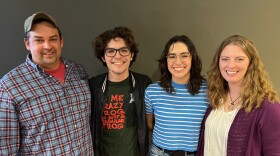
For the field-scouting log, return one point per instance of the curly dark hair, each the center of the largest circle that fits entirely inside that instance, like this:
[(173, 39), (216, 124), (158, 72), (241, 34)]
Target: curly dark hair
[(101, 41), (196, 78)]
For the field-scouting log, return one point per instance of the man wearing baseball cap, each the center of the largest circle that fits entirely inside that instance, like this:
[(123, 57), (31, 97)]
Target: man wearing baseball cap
[(45, 101)]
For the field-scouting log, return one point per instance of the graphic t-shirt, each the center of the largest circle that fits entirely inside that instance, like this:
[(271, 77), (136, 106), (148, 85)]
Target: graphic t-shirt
[(119, 137)]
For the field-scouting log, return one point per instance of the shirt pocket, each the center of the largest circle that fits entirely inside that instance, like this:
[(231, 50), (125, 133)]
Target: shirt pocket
[(38, 110)]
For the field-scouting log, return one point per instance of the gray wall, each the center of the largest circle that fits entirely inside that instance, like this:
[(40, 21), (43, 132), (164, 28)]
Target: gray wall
[(207, 23)]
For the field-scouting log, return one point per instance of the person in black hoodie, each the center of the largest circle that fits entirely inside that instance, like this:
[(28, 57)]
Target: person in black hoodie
[(118, 111)]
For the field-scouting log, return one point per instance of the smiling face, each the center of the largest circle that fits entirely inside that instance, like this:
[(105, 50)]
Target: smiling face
[(233, 64), (118, 66), (179, 62), (44, 44)]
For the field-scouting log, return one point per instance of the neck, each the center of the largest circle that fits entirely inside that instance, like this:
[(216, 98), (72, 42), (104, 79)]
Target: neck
[(181, 80), (234, 91), (118, 77)]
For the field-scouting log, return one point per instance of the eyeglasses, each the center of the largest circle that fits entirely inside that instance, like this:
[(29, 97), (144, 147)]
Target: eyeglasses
[(183, 56), (111, 52)]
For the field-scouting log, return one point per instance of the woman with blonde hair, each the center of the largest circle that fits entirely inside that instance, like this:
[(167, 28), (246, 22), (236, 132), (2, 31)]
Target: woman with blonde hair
[(244, 118)]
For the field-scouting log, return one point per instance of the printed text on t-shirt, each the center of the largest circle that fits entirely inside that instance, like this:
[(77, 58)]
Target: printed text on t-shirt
[(113, 114)]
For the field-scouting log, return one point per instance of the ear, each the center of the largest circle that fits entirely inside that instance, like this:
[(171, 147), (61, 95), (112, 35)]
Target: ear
[(131, 58), (103, 59), (26, 43), (61, 42)]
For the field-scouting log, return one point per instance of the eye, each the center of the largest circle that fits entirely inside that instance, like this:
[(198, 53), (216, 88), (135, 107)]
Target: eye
[(185, 55), (171, 56), (225, 59), (110, 50), (124, 50), (239, 59), (53, 39), (39, 40)]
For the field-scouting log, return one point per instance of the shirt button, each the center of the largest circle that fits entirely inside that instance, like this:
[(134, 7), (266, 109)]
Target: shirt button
[(75, 126)]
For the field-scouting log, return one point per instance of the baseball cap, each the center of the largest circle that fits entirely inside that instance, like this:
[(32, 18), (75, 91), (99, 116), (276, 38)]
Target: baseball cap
[(39, 15)]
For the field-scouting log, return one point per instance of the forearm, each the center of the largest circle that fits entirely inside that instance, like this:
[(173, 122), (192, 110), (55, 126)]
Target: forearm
[(9, 128), (150, 121)]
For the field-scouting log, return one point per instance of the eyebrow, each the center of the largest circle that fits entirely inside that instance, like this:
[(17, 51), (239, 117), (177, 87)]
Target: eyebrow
[(49, 37), (116, 48), (180, 53), (53, 36), (235, 57)]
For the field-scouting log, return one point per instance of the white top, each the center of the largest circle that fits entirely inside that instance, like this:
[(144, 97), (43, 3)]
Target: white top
[(216, 131)]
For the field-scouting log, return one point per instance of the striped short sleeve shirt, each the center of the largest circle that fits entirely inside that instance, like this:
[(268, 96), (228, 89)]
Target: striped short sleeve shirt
[(178, 116)]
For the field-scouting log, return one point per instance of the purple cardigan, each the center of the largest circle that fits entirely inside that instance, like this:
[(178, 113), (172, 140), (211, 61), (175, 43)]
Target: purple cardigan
[(251, 134)]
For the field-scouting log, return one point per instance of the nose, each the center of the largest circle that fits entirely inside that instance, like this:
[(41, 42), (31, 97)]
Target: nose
[(178, 60), (47, 45), (118, 54), (232, 63)]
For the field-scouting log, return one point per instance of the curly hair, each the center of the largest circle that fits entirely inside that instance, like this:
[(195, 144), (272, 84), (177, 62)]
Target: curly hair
[(196, 78), (255, 86), (101, 41)]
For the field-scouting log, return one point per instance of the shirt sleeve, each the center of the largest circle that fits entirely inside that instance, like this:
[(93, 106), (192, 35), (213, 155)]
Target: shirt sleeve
[(148, 104), (270, 129), (9, 125)]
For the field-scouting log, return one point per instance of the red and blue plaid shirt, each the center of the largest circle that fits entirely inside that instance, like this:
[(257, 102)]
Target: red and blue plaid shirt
[(41, 116)]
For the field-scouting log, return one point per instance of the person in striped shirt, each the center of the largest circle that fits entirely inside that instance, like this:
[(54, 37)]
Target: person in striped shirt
[(176, 104)]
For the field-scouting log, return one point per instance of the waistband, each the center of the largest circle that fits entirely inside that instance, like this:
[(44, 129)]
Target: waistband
[(174, 151)]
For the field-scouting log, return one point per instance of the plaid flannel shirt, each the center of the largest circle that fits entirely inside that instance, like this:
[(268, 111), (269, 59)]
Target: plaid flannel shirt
[(41, 116)]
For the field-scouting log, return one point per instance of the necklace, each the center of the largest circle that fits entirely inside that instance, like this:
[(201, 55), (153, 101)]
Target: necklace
[(232, 103)]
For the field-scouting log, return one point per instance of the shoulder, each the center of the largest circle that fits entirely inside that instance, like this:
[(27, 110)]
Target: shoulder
[(78, 68), (141, 76), (268, 114), (204, 83), (141, 80), (155, 90), (17, 73), (154, 85), (69, 62), (97, 79), (269, 107)]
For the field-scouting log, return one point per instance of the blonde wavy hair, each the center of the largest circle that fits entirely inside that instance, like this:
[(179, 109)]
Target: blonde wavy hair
[(256, 84)]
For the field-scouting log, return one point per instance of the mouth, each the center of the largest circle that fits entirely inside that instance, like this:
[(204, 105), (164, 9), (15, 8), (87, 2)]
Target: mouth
[(232, 72), (48, 53), (118, 63), (178, 68)]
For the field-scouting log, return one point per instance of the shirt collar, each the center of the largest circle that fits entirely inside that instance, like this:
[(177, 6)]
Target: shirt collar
[(37, 67)]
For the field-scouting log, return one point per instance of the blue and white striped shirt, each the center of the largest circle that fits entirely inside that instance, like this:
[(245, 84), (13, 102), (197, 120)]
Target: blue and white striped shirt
[(178, 116)]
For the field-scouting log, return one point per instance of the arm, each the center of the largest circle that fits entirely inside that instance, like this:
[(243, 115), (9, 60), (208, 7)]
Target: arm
[(150, 121), (270, 129), (9, 125), (149, 111)]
